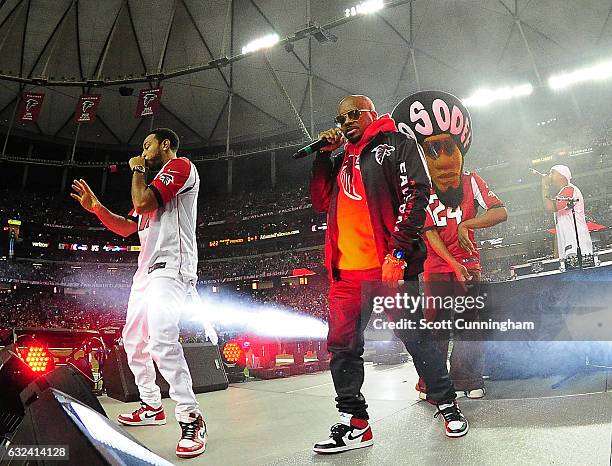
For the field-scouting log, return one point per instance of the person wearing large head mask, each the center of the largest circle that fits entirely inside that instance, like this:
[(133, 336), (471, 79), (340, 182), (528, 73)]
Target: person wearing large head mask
[(442, 126)]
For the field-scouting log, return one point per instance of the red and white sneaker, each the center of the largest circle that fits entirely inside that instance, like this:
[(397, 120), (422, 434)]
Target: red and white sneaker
[(350, 433), (193, 437), (144, 416)]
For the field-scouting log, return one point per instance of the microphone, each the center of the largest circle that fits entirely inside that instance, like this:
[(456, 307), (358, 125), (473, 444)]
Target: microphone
[(310, 149), (566, 199), (535, 172)]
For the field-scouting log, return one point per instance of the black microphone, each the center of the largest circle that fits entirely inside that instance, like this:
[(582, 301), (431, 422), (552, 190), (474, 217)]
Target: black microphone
[(310, 148)]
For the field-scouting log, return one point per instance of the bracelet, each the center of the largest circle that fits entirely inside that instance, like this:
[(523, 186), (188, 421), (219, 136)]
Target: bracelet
[(138, 168), (389, 259)]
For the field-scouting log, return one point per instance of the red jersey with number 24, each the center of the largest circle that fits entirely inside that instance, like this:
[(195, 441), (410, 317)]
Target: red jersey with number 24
[(445, 220)]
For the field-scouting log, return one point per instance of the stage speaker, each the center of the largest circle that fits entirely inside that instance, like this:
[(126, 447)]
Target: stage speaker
[(57, 420), (67, 379), (204, 361), (15, 375)]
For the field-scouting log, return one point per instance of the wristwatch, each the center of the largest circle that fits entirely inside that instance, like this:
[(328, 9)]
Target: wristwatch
[(398, 254), (138, 168)]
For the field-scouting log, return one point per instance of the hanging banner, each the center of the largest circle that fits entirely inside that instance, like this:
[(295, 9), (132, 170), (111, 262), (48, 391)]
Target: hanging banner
[(148, 102), (86, 108), (31, 104)]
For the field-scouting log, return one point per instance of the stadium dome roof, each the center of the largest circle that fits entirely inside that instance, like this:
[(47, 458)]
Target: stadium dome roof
[(65, 48)]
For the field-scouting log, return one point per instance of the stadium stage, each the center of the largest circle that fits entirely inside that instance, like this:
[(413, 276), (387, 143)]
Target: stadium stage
[(518, 422)]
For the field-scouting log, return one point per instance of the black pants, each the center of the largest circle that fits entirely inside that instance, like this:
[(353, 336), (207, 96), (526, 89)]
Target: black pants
[(467, 357), (345, 341)]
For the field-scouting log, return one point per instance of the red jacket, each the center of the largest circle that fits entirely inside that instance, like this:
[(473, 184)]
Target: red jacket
[(397, 188)]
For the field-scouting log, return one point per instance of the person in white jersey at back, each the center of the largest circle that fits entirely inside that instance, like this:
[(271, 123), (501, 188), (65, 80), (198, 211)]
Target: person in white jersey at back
[(559, 181)]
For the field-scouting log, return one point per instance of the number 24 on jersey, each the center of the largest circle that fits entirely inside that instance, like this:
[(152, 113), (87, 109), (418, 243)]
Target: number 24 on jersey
[(440, 214)]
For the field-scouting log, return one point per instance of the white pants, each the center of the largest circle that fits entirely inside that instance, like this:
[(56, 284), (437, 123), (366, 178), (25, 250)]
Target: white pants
[(150, 334)]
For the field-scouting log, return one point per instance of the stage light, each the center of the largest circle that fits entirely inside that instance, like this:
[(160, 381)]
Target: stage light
[(38, 359), (596, 72), (261, 43), (364, 8), (485, 97), (233, 353)]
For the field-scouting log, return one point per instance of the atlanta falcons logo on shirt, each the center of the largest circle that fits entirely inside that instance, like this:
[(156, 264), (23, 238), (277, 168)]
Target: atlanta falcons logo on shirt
[(346, 177), (166, 179), (382, 151)]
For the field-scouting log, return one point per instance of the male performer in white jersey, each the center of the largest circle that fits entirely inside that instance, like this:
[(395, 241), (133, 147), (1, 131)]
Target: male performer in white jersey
[(559, 179), (164, 214)]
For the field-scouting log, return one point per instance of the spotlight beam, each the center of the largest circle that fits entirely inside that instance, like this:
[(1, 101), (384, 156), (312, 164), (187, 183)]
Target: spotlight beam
[(256, 319)]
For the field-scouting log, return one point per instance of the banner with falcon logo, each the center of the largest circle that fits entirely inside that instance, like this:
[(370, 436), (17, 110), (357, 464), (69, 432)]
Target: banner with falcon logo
[(31, 104), (86, 108), (148, 102)]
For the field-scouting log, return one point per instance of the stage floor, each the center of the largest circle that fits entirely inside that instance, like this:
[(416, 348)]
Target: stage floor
[(275, 422)]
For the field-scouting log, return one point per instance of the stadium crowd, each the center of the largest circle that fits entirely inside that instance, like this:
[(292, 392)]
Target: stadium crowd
[(97, 275), (106, 276), (29, 307)]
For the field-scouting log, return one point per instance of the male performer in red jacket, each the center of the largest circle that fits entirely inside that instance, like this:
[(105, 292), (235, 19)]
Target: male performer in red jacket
[(375, 194)]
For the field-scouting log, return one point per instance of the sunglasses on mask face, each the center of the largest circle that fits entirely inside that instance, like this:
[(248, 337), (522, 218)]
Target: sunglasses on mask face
[(352, 114), (434, 149)]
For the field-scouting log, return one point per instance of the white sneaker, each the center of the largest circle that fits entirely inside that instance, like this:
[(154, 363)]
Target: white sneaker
[(475, 394)]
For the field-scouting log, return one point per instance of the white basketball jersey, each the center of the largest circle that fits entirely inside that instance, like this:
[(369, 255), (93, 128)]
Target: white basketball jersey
[(168, 234)]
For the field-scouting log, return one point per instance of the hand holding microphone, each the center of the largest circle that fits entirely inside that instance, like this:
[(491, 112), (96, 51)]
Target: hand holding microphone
[(545, 178), (335, 138), (328, 141), (138, 161)]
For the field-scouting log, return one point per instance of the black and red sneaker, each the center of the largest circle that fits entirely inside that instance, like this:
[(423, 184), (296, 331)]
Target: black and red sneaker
[(455, 423), (350, 433), (144, 416), (193, 437)]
